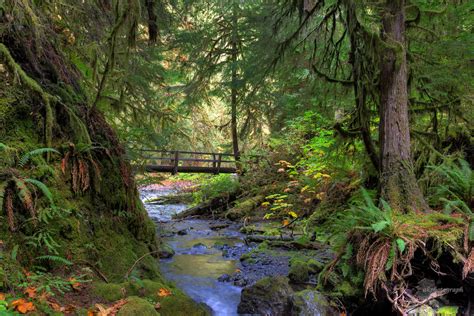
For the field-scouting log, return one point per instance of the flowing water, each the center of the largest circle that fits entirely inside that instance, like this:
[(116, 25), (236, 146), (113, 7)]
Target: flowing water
[(198, 259)]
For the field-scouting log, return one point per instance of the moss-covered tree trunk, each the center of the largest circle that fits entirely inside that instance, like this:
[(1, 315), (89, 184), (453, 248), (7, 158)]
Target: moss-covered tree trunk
[(398, 184)]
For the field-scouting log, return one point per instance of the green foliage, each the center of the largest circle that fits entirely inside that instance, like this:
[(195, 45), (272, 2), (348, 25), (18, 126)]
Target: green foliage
[(219, 185), (39, 151), (455, 191)]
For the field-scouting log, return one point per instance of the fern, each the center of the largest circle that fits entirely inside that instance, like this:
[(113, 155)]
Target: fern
[(24, 194), (40, 185), (39, 151), (56, 259), (457, 185)]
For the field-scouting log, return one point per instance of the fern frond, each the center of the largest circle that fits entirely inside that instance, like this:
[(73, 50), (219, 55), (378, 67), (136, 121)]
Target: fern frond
[(25, 195), (26, 157), (40, 185), (56, 259)]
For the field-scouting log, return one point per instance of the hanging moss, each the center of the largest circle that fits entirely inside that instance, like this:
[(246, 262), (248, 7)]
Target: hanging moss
[(31, 84)]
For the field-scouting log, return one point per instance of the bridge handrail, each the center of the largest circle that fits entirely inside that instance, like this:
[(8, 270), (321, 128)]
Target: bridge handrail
[(185, 152)]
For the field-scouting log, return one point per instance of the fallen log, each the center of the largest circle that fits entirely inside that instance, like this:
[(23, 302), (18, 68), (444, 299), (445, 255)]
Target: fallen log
[(217, 204), (262, 238), (284, 242)]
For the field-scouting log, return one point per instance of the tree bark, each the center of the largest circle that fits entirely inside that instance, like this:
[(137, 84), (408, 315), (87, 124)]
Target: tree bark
[(152, 21), (398, 185), (235, 139)]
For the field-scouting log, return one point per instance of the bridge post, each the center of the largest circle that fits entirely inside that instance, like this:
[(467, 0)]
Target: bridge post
[(214, 163), (176, 162), (219, 163)]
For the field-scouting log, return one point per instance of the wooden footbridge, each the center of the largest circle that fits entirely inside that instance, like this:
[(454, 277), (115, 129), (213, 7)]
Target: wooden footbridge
[(187, 161)]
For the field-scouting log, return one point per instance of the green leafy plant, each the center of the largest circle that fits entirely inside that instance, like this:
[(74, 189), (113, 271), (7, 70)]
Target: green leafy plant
[(222, 184), (456, 189), (16, 183)]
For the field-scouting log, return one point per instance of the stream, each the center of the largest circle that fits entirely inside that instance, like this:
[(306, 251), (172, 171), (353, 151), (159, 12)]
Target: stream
[(202, 254)]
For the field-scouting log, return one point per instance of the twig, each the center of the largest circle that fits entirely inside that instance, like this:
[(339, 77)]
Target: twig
[(138, 260)]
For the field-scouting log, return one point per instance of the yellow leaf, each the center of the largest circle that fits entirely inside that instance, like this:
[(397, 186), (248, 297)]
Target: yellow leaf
[(320, 195), (265, 204), (164, 292), (292, 214), (285, 222), (306, 187)]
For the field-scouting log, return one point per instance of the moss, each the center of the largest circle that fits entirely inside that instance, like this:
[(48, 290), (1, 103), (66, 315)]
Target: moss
[(346, 289), (137, 306), (109, 291), (244, 207), (31, 84), (301, 268), (175, 304), (299, 272)]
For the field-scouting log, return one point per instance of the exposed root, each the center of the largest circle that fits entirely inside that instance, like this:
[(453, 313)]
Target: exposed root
[(468, 265)]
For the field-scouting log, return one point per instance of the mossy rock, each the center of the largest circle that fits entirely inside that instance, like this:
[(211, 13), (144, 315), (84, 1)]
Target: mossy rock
[(175, 304), (137, 306), (269, 296), (109, 291), (166, 251), (299, 272), (309, 303), (301, 269)]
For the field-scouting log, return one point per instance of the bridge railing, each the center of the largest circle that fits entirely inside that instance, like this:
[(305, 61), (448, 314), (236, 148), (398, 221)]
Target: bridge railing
[(175, 161)]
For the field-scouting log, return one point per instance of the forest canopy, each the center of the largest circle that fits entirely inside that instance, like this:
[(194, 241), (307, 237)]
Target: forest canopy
[(348, 122)]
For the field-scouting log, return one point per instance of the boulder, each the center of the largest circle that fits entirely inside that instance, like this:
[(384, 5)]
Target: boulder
[(137, 306), (311, 303), (269, 296), (165, 251)]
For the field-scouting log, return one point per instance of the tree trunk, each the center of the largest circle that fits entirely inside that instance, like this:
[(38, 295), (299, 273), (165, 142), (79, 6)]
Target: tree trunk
[(398, 184), (152, 21), (235, 139)]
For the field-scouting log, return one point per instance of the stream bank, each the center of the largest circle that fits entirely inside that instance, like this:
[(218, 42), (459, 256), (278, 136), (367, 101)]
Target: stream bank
[(211, 261)]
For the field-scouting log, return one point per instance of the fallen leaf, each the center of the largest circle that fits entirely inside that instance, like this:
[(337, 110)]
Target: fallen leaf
[(110, 311), (285, 222), (157, 306), (237, 270), (164, 292), (55, 306), (2, 296), (31, 292), (74, 284), (22, 306), (90, 313)]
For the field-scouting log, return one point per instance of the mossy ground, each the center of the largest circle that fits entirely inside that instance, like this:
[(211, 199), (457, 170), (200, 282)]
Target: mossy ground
[(177, 303)]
